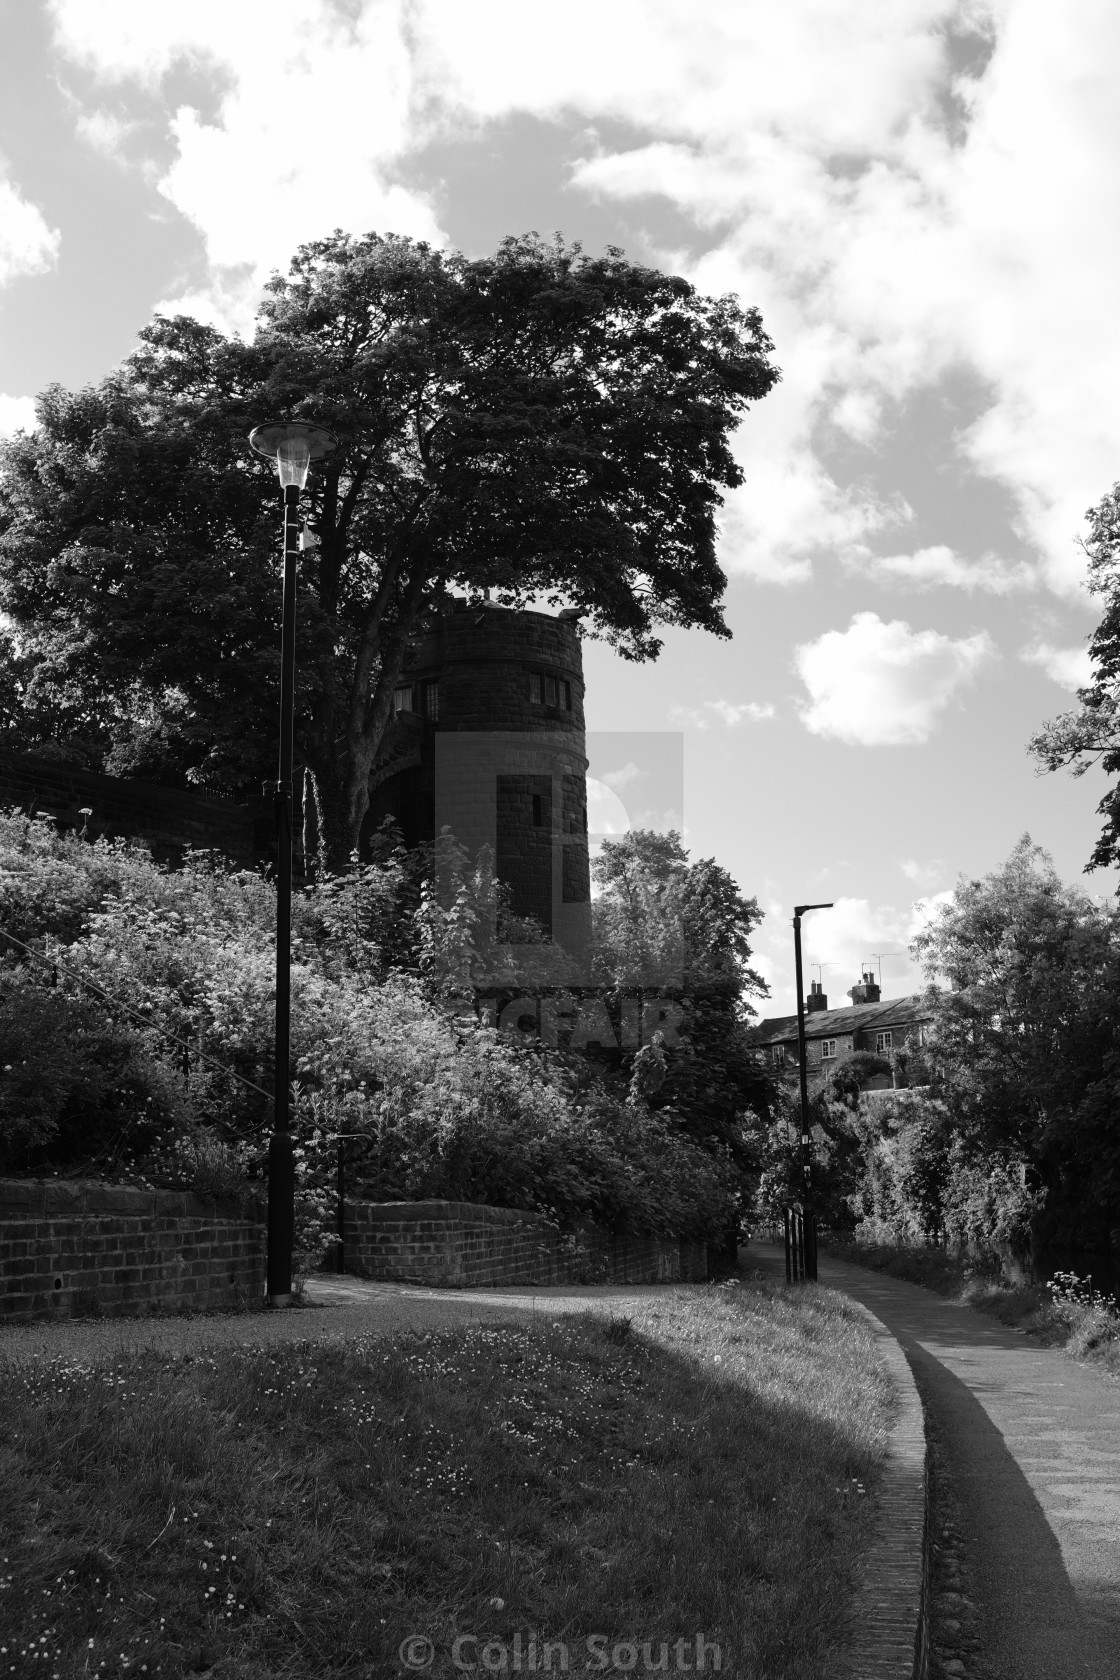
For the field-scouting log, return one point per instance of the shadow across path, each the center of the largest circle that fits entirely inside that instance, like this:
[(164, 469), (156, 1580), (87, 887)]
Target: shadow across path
[(1033, 1444)]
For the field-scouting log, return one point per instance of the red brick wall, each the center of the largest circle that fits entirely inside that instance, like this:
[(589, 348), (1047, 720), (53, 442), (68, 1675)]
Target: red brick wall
[(458, 1244), (70, 1247)]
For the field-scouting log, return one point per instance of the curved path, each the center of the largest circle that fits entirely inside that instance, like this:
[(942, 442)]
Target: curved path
[(1033, 1443)]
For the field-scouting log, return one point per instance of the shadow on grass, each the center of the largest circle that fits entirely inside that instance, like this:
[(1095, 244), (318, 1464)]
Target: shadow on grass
[(693, 1470)]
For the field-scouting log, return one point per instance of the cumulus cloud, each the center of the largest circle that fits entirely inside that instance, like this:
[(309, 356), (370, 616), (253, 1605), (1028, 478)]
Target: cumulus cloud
[(925, 874), (728, 712), (884, 684), (16, 414), (27, 244), (626, 776), (314, 107), (901, 189), (906, 192), (940, 566), (1071, 667), (852, 936)]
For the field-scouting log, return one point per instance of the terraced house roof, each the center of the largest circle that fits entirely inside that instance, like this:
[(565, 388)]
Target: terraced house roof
[(853, 1018)]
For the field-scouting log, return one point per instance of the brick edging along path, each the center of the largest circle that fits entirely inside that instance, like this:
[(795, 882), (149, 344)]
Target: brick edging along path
[(892, 1606), (891, 1611)]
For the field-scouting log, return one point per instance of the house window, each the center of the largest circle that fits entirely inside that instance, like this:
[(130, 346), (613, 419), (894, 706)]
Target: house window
[(535, 688), (779, 1055), (828, 1049), (883, 1041), (403, 698), (551, 692), (431, 701)]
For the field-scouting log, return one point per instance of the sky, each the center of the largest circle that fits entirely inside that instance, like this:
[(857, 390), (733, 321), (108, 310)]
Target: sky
[(920, 200)]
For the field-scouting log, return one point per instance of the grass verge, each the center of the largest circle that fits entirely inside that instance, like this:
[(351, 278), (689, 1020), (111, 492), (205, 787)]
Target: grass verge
[(700, 1469), (1067, 1317)]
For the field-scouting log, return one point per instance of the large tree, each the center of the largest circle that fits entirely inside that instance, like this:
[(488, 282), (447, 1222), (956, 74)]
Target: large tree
[(1090, 733), (1023, 1050), (539, 423)]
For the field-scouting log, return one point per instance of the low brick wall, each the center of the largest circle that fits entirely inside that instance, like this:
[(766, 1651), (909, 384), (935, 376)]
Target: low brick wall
[(74, 1247), (462, 1245)]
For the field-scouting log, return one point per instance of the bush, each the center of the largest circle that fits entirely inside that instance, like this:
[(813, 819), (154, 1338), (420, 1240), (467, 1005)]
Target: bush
[(449, 1107)]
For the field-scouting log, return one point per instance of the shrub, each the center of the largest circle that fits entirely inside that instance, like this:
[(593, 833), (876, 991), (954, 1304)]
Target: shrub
[(449, 1107)]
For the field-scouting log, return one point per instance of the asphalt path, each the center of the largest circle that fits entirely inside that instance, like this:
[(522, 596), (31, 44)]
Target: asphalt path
[(1032, 1439)]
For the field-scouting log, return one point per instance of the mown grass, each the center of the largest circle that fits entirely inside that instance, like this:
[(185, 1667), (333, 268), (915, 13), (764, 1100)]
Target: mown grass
[(704, 1467), (1083, 1325)]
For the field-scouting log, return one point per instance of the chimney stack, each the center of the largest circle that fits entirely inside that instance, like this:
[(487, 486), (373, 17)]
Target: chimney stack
[(816, 999), (866, 992)]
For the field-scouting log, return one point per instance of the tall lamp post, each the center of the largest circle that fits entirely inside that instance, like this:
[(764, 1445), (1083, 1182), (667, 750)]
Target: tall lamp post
[(809, 1224), (291, 447)]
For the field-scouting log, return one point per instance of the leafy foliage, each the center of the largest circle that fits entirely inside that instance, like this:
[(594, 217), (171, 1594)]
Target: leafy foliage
[(1090, 734), (447, 1106), (537, 422), (1023, 1049)]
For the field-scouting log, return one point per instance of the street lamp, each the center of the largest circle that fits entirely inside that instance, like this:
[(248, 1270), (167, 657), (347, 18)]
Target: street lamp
[(291, 447), (808, 1225)]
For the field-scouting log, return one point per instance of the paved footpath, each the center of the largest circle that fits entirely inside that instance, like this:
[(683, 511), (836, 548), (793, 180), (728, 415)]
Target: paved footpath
[(1033, 1443)]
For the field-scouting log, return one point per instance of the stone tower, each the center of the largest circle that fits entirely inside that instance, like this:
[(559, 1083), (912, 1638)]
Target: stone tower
[(488, 740)]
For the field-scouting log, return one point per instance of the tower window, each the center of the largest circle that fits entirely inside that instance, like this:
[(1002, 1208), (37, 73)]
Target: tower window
[(431, 700), (567, 688), (538, 811), (534, 688), (551, 692), (403, 698)]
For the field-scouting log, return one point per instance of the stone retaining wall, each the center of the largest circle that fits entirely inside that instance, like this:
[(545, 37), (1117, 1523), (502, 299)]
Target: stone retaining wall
[(169, 819), (460, 1244), (74, 1247)]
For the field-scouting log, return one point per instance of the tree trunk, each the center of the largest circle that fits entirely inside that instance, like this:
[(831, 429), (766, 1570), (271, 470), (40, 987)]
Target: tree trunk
[(341, 803)]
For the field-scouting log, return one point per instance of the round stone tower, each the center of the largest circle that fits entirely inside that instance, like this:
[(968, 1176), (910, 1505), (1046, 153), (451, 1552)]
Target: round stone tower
[(488, 741)]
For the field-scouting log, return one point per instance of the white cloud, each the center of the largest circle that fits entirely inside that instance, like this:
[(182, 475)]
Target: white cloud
[(625, 777), (103, 130), (16, 414), (852, 936), (728, 712), (884, 684), (887, 241), (27, 244), (606, 814), (314, 109), (895, 225), (1071, 667), (923, 874), (940, 567)]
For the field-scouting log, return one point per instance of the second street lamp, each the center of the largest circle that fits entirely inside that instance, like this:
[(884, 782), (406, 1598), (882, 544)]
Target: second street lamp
[(809, 1226), (291, 447)]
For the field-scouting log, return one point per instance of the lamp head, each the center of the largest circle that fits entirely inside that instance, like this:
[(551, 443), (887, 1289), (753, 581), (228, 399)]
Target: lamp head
[(292, 446)]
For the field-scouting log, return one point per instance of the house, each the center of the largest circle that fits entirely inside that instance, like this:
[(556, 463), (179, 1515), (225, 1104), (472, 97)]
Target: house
[(833, 1035)]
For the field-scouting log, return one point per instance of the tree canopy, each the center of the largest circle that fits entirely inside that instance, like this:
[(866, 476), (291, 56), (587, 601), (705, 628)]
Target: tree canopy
[(1023, 1049), (1090, 733), (540, 423)]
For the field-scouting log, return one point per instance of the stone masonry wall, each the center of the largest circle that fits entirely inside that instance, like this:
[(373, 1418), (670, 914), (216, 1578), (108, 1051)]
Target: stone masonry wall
[(70, 1247), (460, 1244), (169, 819)]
